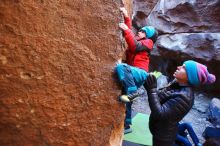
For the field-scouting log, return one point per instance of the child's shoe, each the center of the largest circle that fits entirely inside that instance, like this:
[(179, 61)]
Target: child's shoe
[(129, 97), (127, 129), (124, 98)]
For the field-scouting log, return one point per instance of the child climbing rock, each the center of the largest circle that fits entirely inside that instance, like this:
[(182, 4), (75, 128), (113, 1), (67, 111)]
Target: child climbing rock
[(169, 105), (134, 72)]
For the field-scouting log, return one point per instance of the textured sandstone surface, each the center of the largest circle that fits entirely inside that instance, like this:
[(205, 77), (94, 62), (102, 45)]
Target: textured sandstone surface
[(57, 85)]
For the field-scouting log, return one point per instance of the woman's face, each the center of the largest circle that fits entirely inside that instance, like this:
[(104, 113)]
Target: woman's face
[(141, 34), (180, 74)]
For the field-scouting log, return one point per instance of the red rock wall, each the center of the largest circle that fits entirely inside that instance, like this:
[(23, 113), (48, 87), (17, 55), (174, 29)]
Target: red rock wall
[(56, 73)]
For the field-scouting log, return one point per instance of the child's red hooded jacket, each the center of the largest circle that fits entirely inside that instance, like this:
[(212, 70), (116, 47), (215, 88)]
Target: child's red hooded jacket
[(138, 50)]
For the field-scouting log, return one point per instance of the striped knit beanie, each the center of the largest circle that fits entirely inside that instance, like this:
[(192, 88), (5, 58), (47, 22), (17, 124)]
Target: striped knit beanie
[(198, 73)]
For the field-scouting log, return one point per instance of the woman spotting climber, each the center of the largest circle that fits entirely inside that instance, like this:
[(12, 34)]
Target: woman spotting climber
[(134, 72), (169, 105)]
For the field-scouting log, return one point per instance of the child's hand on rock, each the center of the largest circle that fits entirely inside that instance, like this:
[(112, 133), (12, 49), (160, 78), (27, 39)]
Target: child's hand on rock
[(124, 11), (123, 26)]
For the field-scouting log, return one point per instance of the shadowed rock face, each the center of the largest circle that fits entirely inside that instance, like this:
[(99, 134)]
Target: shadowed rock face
[(188, 29), (141, 10), (174, 16), (171, 50), (203, 46), (56, 73)]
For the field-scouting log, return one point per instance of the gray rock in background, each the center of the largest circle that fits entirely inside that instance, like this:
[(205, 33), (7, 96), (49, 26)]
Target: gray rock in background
[(162, 81), (214, 112), (188, 29), (204, 46), (141, 10), (172, 49), (175, 16)]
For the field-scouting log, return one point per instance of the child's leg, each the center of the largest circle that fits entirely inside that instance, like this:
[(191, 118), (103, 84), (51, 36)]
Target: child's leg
[(139, 76), (126, 78), (128, 120)]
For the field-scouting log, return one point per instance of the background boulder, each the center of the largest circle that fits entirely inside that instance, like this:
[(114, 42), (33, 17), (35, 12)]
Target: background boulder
[(141, 10), (188, 30), (174, 16), (214, 112)]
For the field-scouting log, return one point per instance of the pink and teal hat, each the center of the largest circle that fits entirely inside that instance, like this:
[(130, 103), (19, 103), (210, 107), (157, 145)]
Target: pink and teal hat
[(198, 73)]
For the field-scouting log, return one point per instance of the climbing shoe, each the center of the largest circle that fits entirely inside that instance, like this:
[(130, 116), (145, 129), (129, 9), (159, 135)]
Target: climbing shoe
[(129, 97), (124, 98), (134, 95), (127, 130)]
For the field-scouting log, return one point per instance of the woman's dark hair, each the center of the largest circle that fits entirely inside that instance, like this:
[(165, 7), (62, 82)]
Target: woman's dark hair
[(212, 142)]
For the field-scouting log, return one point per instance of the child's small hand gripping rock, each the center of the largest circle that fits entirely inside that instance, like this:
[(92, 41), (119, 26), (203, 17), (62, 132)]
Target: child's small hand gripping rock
[(124, 11), (123, 26)]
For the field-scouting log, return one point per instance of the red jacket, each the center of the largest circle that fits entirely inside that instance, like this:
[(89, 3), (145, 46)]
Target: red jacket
[(138, 50)]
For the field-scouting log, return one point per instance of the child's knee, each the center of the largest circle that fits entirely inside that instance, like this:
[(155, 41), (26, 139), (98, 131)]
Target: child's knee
[(120, 71), (131, 89), (119, 67)]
